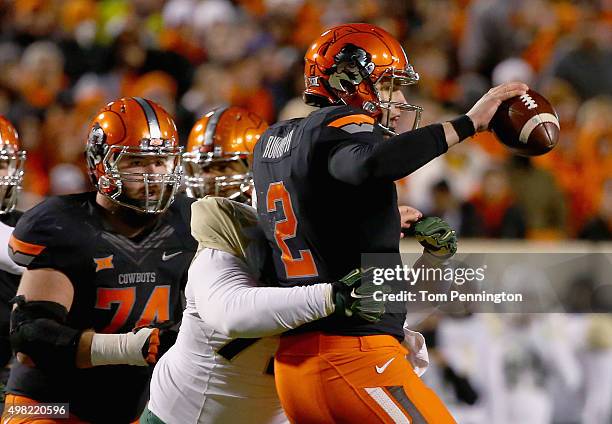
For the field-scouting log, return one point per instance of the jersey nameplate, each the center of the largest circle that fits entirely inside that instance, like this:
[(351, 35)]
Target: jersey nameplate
[(277, 147)]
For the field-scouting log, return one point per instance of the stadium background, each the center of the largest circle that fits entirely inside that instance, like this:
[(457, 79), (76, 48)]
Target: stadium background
[(60, 61)]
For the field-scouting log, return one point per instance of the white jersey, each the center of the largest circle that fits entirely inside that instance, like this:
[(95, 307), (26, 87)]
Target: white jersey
[(193, 382)]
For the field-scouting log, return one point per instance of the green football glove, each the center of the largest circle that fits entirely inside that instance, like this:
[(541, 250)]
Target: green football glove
[(436, 236), (354, 296)]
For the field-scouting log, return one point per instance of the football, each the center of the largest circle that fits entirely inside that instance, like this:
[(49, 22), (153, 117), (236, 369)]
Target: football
[(528, 125)]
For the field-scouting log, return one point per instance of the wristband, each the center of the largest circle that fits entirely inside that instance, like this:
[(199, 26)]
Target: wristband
[(116, 349), (464, 127)]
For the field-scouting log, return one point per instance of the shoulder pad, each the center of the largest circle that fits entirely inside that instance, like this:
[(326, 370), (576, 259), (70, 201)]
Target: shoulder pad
[(45, 226), (346, 118)]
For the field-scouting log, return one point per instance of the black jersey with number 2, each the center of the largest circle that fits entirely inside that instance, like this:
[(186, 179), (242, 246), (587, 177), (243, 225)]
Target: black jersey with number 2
[(326, 194)]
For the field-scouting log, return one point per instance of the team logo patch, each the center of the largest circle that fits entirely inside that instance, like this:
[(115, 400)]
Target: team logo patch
[(104, 263), (311, 81), (353, 124)]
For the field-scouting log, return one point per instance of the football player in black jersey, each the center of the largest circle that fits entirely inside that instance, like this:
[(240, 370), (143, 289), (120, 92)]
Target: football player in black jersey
[(12, 159), (326, 194), (98, 265)]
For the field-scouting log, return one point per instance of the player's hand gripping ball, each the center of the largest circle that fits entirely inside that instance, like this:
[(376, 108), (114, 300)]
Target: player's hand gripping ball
[(436, 236), (354, 295), (528, 125)]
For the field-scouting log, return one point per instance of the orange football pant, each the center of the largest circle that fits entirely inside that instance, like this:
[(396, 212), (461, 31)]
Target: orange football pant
[(11, 399), (341, 379)]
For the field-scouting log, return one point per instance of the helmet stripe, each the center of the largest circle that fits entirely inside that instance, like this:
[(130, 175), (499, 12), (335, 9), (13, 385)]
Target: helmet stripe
[(151, 116), (211, 126)]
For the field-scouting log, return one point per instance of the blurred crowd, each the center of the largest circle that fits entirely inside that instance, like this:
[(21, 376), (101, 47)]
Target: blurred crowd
[(545, 361), (61, 60), (527, 368)]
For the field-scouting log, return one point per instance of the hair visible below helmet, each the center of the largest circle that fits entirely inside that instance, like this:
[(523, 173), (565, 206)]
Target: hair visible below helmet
[(12, 160), (219, 151), (345, 63), (128, 129)]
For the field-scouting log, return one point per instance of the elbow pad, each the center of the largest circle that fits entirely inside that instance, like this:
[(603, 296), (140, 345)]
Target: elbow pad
[(38, 330)]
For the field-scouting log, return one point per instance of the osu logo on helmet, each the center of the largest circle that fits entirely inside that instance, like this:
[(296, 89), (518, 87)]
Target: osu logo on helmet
[(359, 65), (12, 159), (219, 152), (133, 154)]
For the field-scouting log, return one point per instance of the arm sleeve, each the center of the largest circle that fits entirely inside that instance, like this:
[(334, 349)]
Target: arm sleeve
[(357, 161), (229, 300)]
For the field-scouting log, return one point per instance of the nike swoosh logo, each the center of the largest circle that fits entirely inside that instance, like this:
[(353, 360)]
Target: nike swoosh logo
[(382, 369), (168, 257), (359, 296)]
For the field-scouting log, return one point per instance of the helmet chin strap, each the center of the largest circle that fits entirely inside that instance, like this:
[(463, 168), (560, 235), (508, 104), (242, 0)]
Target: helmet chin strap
[(120, 198), (388, 130), (390, 104)]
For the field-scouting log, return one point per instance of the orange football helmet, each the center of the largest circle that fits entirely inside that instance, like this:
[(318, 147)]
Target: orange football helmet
[(345, 64), (12, 159), (219, 151), (131, 129)]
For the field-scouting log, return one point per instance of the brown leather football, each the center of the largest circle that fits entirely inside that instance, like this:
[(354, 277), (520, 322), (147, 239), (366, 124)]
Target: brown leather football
[(528, 125)]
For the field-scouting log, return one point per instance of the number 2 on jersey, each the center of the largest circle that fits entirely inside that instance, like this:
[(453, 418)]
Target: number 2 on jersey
[(285, 229)]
